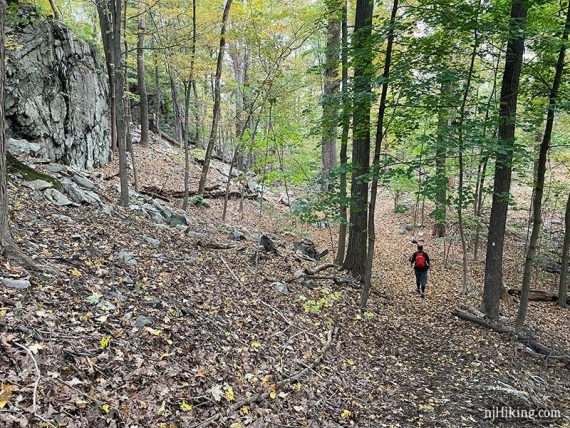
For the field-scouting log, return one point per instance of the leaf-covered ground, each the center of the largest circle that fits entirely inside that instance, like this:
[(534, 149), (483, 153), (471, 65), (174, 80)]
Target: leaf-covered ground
[(216, 341)]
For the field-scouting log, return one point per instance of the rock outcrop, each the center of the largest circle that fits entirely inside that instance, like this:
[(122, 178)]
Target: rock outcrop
[(56, 91)]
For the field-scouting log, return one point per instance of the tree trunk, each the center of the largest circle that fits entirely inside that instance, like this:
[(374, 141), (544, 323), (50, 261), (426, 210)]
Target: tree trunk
[(175, 106), (563, 285), (504, 155), (540, 173), (216, 108), (344, 137), (4, 226), (143, 95), (355, 260), (376, 163), (55, 10), (439, 227), (330, 88), (157, 92)]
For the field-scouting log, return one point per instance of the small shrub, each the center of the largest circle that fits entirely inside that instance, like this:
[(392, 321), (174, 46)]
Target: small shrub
[(198, 201)]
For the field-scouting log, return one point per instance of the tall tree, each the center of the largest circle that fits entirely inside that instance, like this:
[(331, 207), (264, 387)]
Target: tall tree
[(441, 178), (540, 173), (331, 86), (376, 163), (345, 120), (563, 285), (110, 20), (143, 95), (503, 159), (217, 100), (355, 260)]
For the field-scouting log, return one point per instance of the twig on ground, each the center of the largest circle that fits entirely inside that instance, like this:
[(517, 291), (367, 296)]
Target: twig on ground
[(36, 383), (331, 334)]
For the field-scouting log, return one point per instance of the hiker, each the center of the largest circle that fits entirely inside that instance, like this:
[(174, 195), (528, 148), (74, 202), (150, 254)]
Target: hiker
[(420, 263)]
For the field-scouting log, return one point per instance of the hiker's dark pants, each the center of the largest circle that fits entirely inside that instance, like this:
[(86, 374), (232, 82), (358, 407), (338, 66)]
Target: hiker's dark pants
[(421, 279)]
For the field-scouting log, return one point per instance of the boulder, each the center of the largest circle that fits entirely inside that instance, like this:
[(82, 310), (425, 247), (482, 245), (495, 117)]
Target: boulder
[(38, 185), (57, 197), (18, 284), (83, 182)]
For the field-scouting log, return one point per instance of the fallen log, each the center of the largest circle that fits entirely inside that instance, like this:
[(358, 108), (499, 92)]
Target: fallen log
[(523, 336), (538, 295), (211, 192)]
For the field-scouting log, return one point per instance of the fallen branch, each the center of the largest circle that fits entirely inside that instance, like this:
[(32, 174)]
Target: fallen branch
[(318, 269), (331, 334), (38, 377), (473, 315), (538, 295), (215, 245), (211, 192), (24, 330)]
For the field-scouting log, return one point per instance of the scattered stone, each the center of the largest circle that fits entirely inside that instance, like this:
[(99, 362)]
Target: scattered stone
[(268, 245), (127, 280), (281, 287), (285, 200), (142, 321), (83, 182), (56, 168), (127, 258), (178, 220), (106, 305), (18, 284), (154, 242), (320, 224), (194, 235), (38, 185), (62, 217), (76, 237), (57, 197), (310, 283), (402, 231), (79, 195), (37, 196), (237, 235), (308, 249), (409, 227)]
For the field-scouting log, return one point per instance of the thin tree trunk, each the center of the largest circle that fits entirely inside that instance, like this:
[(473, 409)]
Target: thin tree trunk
[(175, 106), (330, 88), (541, 171), (461, 148), (55, 10), (563, 285), (216, 108), (157, 92), (355, 260), (143, 95), (4, 226), (503, 170), (376, 162), (440, 168), (344, 137)]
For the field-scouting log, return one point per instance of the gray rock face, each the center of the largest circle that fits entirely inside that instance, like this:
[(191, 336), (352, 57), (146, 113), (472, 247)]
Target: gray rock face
[(23, 147), (56, 92), (38, 184), (18, 284)]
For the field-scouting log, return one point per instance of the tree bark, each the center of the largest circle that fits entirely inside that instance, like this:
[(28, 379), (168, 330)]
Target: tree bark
[(217, 101), (355, 260), (4, 226), (330, 88), (439, 227), (376, 163), (504, 155), (563, 285), (143, 95), (540, 173), (344, 136), (175, 105)]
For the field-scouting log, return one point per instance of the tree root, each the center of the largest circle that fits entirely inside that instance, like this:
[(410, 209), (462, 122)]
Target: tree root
[(473, 315)]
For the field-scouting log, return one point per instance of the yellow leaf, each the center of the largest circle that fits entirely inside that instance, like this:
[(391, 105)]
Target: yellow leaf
[(273, 393), (6, 394), (345, 414), (153, 331), (161, 409), (105, 341), (3, 313), (75, 273), (256, 345), (185, 407), (105, 408), (236, 425), (265, 381), (229, 393), (426, 407), (244, 410), (297, 386)]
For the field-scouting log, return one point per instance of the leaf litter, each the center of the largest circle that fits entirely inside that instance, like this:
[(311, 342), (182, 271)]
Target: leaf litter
[(217, 342)]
